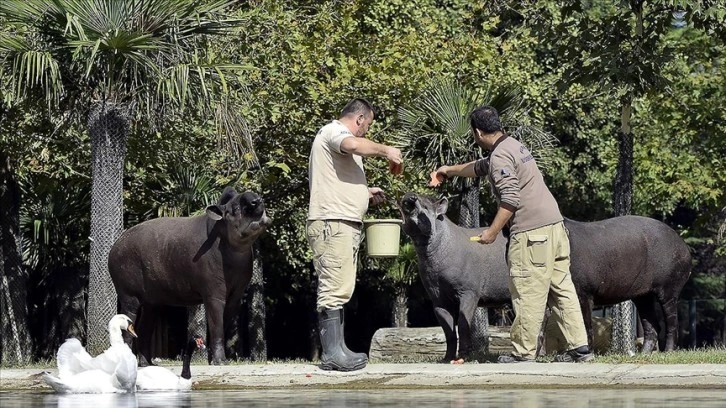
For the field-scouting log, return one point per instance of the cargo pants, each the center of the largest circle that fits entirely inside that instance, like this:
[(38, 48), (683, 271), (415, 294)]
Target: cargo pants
[(539, 275), (335, 245)]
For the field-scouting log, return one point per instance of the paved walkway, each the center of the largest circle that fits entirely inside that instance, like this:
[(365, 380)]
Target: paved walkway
[(429, 376)]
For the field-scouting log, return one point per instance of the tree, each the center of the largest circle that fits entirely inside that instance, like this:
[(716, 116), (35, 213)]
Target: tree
[(622, 47), (401, 273), (113, 63)]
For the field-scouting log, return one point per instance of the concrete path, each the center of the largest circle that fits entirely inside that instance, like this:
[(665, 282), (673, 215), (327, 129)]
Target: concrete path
[(375, 376)]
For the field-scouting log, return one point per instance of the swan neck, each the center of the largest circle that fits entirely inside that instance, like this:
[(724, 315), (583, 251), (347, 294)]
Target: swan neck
[(114, 335)]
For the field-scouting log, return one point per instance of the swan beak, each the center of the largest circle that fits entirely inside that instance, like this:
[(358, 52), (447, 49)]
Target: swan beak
[(131, 330)]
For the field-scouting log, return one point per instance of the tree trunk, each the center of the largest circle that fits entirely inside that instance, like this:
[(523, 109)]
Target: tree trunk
[(400, 308), (257, 310), (623, 333), (197, 325), (469, 218), (15, 343), (108, 127)]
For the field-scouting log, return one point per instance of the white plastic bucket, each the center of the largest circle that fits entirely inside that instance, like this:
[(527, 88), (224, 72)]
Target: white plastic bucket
[(383, 237)]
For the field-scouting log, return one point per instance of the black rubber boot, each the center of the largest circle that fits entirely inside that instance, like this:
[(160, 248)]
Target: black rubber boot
[(331, 338), (346, 350)]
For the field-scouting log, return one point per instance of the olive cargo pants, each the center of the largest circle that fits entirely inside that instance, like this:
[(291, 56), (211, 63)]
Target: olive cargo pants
[(539, 275), (335, 246)]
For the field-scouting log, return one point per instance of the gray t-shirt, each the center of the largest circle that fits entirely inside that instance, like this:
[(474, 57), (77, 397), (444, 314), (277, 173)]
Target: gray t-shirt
[(337, 181), (516, 180)]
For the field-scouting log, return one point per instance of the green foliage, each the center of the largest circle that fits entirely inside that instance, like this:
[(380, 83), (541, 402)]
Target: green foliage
[(404, 270), (150, 53), (298, 62)]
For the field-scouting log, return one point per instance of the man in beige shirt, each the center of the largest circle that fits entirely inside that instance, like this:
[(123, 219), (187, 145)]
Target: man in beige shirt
[(538, 250), (339, 198)]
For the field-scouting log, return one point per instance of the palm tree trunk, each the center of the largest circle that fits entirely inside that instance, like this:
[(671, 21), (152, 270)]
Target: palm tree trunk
[(400, 308), (197, 325), (15, 343), (623, 332), (469, 218), (257, 310), (108, 127)]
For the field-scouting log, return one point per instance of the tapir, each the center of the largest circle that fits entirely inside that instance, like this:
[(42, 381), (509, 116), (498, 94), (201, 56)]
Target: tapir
[(186, 261), (617, 259)]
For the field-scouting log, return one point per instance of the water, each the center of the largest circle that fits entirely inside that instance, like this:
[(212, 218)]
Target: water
[(453, 398)]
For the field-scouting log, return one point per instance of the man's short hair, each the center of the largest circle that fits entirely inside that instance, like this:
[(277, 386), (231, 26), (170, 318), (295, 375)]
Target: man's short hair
[(357, 106), (486, 119)]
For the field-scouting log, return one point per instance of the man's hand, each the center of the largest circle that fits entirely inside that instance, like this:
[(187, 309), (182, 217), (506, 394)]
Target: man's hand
[(395, 161), (487, 236), (438, 176), (376, 195)]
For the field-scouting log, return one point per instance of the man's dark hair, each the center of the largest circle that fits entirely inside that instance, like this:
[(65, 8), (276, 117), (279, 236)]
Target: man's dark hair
[(357, 106), (486, 119)]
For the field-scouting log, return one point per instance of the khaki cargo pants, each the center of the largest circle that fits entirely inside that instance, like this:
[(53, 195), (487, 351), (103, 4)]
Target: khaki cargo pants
[(539, 269), (335, 246)]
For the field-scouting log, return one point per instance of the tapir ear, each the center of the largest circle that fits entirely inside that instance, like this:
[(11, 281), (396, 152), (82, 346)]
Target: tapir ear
[(215, 212), (441, 206), (227, 195)]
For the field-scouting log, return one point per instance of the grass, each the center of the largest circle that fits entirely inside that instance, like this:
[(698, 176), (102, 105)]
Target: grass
[(715, 355), (711, 355)]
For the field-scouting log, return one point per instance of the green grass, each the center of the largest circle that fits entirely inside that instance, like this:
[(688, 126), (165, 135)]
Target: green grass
[(711, 355), (716, 355)]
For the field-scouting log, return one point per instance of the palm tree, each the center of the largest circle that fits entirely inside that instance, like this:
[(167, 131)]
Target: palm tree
[(402, 273), (54, 221), (14, 344), (112, 63), (436, 130)]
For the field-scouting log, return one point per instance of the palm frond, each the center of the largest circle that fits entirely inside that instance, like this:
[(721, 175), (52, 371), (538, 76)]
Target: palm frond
[(153, 50), (436, 125), (185, 190), (404, 269), (27, 68), (234, 135)]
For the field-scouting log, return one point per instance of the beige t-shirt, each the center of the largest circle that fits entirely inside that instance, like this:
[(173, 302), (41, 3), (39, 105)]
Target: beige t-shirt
[(338, 186), (516, 180)]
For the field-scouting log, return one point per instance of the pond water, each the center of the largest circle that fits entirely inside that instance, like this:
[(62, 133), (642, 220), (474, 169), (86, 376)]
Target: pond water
[(453, 398)]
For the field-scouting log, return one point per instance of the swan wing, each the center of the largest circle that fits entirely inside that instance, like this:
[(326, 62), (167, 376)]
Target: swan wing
[(109, 360), (86, 382), (157, 378), (126, 371), (72, 358)]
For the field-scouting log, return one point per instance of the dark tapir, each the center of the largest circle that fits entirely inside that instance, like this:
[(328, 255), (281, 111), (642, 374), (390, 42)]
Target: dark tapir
[(185, 261), (613, 260)]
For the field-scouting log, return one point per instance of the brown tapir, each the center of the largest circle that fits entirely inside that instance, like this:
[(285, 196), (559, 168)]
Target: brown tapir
[(612, 261), (186, 261)]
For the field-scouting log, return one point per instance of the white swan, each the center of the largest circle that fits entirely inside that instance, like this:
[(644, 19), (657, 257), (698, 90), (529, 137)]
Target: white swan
[(109, 359), (155, 378), (96, 381), (112, 371)]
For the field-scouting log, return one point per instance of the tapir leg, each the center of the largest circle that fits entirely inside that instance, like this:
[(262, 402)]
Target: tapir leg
[(649, 319), (231, 324), (147, 321), (670, 311), (128, 305), (446, 320), (215, 322), (467, 307), (586, 308)]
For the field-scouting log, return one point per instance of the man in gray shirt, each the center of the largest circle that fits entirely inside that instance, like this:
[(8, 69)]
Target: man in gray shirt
[(538, 250)]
